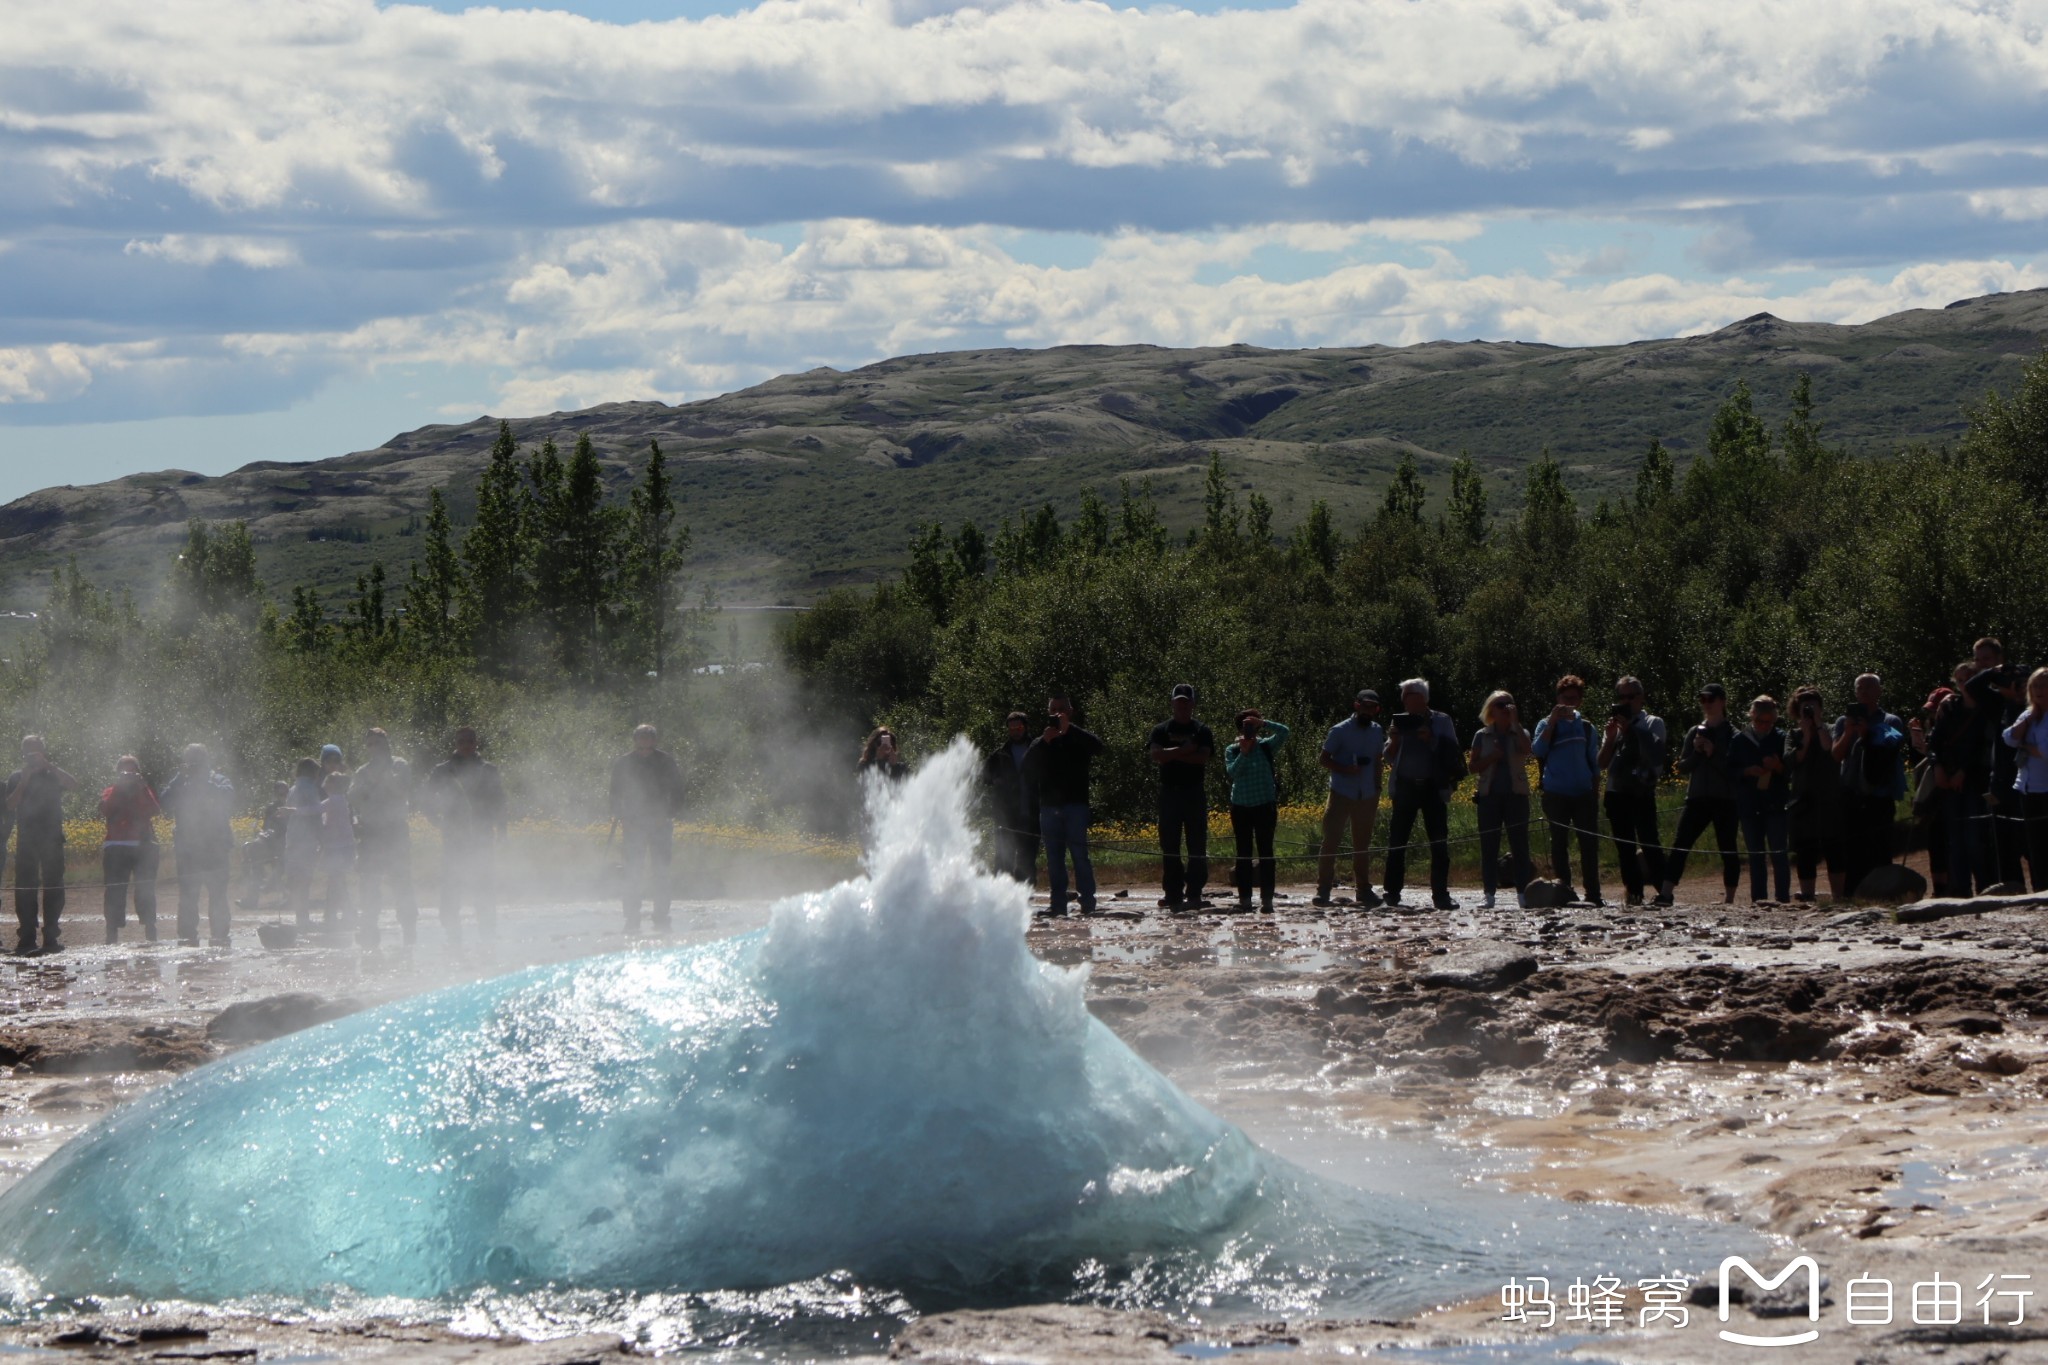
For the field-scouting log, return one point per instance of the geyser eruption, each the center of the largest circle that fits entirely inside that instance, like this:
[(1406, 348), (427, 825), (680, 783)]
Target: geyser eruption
[(884, 1082)]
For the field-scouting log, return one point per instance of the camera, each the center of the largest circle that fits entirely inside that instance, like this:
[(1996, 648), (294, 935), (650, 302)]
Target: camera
[(1856, 710), (1621, 710), (1052, 722), (1408, 724), (1249, 729)]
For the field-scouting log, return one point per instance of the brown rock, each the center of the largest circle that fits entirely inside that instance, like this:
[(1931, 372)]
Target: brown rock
[(257, 1021), (73, 1047)]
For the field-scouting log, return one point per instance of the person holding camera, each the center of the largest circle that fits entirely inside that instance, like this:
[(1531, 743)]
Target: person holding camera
[(2028, 739), (1632, 753), (1566, 753), (1960, 744), (129, 854), (1351, 755), (1254, 803), (201, 801), (1815, 822), (1057, 766), (1760, 759), (1869, 745), (1423, 759), (1012, 802), (1182, 747), (2001, 692), (1500, 759), (35, 798), (1703, 756)]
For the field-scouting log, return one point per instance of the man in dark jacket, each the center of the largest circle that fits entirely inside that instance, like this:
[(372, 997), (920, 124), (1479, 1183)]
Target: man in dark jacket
[(1057, 767), (1419, 747), (1632, 754), (466, 798), (1183, 748), (201, 801), (647, 796), (35, 799), (1709, 795), (1012, 803), (381, 797), (1869, 744)]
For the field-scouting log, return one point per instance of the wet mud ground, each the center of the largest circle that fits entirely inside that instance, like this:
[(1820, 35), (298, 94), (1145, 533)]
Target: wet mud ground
[(1869, 1092)]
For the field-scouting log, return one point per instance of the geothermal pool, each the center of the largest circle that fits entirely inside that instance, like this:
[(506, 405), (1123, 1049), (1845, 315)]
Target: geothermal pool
[(788, 1139)]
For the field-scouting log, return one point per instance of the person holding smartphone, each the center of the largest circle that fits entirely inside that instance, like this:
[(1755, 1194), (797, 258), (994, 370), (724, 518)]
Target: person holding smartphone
[(1057, 767), (1632, 754), (2027, 737), (1422, 787), (1709, 796), (35, 796), (1500, 758), (1760, 760), (1255, 804), (1566, 748)]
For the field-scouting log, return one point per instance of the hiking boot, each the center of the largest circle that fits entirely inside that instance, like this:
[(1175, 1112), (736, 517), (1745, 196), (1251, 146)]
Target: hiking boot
[(1442, 900), (1486, 901), (1244, 903), (1666, 898), (1392, 900), (1171, 903), (1592, 898), (1367, 898), (1321, 899), (1266, 903)]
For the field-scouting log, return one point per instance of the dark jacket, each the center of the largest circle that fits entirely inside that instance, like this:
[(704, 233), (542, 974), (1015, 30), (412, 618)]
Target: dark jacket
[(1710, 778), (646, 788), (1011, 798), (1059, 769), (466, 798), (201, 809)]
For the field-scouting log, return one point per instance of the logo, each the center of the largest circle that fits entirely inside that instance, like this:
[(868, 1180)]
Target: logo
[(1806, 1263)]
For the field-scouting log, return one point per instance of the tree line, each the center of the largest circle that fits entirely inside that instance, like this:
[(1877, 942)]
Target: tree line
[(1774, 559)]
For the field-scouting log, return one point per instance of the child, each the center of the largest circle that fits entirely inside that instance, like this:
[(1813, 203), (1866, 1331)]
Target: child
[(302, 839), (337, 844)]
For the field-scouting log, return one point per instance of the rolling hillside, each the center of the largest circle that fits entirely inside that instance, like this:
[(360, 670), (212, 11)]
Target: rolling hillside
[(819, 478)]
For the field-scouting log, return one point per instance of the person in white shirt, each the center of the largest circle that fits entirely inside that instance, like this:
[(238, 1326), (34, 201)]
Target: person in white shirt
[(2028, 737)]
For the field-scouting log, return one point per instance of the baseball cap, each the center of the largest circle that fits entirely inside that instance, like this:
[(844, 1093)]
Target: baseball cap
[(1183, 690), (1367, 694), (1713, 692)]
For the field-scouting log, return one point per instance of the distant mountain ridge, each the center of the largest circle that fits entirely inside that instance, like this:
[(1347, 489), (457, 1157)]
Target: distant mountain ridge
[(818, 478)]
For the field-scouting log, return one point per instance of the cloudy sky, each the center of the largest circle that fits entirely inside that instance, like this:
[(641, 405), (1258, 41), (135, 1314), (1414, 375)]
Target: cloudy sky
[(246, 229)]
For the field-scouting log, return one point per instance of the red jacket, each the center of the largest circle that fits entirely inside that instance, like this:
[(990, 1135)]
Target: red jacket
[(130, 815)]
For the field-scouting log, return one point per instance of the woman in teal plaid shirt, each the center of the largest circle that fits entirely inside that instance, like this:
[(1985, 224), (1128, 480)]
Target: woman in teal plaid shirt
[(1254, 802)]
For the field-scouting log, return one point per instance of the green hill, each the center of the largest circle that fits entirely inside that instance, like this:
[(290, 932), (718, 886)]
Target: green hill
[(820, 478)]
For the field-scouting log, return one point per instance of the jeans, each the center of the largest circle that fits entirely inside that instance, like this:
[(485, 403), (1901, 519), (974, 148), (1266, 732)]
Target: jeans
[(121, 864), (649, 849), (1184, 816), (1422, 797), (1569, 815), (203, 872), (1254, 827), (1633, 818), (1693, 819), (38, 886), (385, 865), (1969, 851), (1064, 830), (1764, 831), (1508, 811), (1361, 814)]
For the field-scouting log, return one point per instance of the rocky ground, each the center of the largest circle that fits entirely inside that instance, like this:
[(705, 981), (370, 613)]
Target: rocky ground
[(1865, 1086)]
